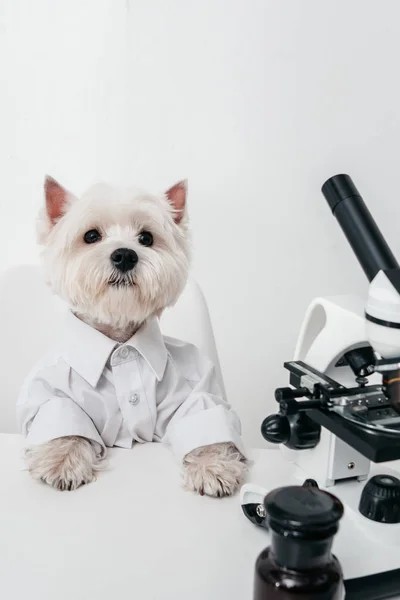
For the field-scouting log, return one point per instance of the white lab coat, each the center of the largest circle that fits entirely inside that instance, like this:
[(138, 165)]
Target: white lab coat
[(152, 388)]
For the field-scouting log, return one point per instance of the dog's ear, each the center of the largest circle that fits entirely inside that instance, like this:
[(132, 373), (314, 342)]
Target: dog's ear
[(57, 199), (177, 197), (57, 202)]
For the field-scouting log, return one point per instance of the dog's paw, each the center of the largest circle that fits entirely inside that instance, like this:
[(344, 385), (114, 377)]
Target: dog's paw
[(217, 470), (64, 463)]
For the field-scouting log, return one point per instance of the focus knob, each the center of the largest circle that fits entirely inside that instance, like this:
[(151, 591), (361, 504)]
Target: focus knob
[(380, 499), (276, 429)]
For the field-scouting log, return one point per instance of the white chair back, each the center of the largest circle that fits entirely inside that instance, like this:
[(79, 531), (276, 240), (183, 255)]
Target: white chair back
[(32, 317)]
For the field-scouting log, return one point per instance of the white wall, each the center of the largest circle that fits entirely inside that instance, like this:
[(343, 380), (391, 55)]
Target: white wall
[(62, 104), (257, 102)]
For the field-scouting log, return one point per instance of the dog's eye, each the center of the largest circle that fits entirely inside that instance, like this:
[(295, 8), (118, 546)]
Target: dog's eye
[(145, 238), (92, 236)]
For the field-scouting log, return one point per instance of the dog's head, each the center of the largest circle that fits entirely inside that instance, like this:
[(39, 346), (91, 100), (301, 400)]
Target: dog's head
[(116, 256)]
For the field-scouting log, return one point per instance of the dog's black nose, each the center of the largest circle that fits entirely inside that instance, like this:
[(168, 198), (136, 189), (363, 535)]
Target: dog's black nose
[(124, 259)]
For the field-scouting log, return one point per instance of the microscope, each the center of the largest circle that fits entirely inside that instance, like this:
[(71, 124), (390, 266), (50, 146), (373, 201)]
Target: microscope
[(338, 421)]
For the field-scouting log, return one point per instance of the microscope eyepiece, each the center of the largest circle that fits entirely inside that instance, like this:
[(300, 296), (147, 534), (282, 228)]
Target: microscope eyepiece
[(358, 225), (339, 188)]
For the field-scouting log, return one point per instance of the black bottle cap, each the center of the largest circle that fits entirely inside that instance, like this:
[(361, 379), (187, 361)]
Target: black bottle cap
[(380, 499), (338, 188), (303, 512)]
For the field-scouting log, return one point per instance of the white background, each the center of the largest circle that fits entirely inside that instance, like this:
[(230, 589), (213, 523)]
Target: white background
[(257, 102)]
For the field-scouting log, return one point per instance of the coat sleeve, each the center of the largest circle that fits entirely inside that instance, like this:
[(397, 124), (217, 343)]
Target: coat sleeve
[(202, 417), (44, 414)]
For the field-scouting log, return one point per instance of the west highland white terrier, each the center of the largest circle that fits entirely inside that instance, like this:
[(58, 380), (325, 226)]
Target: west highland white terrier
[(119, 258)]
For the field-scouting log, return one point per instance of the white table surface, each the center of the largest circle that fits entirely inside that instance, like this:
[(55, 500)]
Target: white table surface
[(134, 533)]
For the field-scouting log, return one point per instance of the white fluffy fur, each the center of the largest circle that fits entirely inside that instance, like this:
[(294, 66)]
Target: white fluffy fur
[(65, 463), (215, 470), (82, 274)]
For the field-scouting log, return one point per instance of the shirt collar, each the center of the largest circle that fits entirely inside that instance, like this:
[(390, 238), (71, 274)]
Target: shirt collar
[(87, 351), (149, 342)]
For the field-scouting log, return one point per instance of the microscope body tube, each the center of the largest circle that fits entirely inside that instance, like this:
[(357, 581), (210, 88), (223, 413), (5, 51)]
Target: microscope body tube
[(358, 225), (375, 257)]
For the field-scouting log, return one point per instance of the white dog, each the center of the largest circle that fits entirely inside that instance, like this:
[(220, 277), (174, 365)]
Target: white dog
[(118, 258)]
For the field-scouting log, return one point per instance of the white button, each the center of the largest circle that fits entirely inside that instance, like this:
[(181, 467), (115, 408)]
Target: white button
[(134, 399), (124, 352), (121, 354)]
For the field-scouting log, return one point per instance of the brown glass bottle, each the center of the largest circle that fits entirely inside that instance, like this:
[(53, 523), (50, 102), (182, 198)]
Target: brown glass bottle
[(299, 565)]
